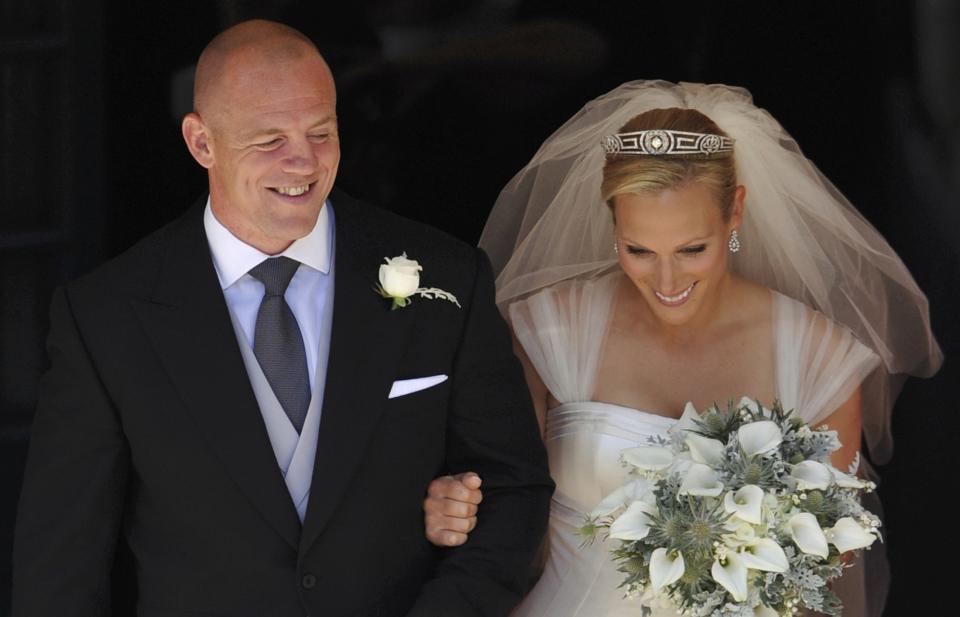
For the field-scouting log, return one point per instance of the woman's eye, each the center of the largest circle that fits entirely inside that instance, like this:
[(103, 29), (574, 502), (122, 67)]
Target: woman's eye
[(636, 250), (694, 250)]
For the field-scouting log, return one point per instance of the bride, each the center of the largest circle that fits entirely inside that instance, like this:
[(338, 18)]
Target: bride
[(670, 243)]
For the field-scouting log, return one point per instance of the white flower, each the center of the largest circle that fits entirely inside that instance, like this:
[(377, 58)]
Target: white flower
[(636, 489), (759, 437), (746, 503), (648, 458), (751, 404), (665, 570), (848, 535), (732, 576), (764, 554), (847, 481), (687, 421), (806, 533), (741, 533), (400, 277), (634, 524), (705, 450), (812, 475), (701, 480)]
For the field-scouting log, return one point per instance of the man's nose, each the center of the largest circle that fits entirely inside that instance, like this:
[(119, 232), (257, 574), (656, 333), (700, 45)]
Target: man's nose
[(300, 157)]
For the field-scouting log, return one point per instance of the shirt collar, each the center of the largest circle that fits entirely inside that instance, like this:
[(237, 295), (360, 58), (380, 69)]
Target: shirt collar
[(232, 257)]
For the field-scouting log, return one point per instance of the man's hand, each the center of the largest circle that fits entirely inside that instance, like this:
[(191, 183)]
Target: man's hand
[(450, 508)]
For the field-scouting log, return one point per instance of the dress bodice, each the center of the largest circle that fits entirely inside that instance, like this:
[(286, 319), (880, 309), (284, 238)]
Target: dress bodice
[(584, 441)]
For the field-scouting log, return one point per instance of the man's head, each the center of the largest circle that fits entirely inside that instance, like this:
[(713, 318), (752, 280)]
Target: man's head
[(264, 126)]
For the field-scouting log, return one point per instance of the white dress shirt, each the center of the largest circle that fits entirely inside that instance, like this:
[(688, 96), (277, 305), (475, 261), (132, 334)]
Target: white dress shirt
[(310, 297)]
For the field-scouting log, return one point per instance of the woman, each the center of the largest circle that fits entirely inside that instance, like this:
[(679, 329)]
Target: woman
[(697, 256)]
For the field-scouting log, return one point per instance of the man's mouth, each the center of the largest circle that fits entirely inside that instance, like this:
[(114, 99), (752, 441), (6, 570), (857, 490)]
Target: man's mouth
[(292, 191), (677, 299)]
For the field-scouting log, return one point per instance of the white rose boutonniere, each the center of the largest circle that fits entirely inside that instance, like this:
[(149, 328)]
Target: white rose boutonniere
[(400, 279)]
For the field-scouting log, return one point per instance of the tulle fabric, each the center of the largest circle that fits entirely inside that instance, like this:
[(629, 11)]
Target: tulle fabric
[(563, 330), (801, 237)]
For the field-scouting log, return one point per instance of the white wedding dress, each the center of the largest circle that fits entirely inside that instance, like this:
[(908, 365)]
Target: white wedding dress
[(562, 330)]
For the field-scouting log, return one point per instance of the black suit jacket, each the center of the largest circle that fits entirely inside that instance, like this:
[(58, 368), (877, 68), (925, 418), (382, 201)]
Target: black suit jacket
[(147, 428)]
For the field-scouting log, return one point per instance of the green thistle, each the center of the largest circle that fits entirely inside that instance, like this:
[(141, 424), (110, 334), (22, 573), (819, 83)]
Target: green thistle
[(760, 471), (718, 424), (691, 527), (826, 506)]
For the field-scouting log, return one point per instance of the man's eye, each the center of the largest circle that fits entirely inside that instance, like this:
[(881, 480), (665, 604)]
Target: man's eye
[(273, 143), (319, 136)]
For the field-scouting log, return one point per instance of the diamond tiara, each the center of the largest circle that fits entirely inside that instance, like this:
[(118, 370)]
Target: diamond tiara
[(661, 142)]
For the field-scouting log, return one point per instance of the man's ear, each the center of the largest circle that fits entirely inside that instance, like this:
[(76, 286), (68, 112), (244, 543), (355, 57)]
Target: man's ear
[(197, 135)]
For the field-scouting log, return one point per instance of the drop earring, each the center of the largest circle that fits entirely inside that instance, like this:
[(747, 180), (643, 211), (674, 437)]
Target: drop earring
[(616, 248), (734, 242)]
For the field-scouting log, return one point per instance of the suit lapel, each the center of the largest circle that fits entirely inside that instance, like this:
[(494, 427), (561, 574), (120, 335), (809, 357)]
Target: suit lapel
[(366, 341), (188, 322)]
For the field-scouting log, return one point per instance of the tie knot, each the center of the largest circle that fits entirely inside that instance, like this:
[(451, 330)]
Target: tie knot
[(275, 274)]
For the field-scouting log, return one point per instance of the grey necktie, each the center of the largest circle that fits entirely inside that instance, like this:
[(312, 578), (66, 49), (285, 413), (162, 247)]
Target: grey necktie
[(277, 341)]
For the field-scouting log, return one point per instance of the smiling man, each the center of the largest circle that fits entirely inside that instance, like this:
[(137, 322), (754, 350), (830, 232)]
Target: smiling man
[(235, 400)]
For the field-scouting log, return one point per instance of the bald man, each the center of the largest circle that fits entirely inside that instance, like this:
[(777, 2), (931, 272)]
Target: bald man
[(235, 400)]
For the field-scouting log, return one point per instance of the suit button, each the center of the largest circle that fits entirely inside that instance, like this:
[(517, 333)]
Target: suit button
[(308, 581)]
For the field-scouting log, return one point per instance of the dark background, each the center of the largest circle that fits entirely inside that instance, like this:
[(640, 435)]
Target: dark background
[(440, 102)]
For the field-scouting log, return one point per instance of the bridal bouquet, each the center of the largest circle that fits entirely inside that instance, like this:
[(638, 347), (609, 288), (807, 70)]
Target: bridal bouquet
[(737, 513)]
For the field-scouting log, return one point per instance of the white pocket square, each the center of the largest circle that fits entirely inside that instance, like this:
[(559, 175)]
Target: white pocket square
[(402, 387)]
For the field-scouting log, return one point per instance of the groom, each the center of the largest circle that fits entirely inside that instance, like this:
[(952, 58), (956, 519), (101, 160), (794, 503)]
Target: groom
[(235, 399)]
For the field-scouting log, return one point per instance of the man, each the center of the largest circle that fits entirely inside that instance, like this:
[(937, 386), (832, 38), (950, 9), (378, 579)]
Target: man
[(236, 399)]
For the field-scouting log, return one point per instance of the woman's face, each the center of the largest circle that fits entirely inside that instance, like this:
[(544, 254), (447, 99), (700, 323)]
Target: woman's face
[(673, 246)]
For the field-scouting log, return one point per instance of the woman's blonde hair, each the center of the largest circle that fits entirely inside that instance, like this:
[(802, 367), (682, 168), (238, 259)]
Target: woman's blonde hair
[(629, 173)]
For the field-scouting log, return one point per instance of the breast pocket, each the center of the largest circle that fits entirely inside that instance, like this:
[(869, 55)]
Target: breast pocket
[(419, 400)]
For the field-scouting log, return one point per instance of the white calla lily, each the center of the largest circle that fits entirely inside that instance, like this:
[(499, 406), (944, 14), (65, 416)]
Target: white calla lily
[(664, 569), (704, 450), (687, 421), (806, 533), (760, 437), (633, 490), (701, 480), (848, 535), (765, 554), (633, 524), (844, 480), (745, 503), (741, 532), (811, 475), (648, 458), (732, 576)]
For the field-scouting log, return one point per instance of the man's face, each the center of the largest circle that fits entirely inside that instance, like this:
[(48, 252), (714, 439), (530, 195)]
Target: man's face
[(274, 148)]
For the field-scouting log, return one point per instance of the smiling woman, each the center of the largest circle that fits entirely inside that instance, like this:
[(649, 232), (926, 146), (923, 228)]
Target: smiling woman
[(675, 243), (271, 159), (735, 270)]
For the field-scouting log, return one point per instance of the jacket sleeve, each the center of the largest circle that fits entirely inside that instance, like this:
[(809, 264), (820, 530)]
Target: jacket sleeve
[(71, 504), (492, 430)]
